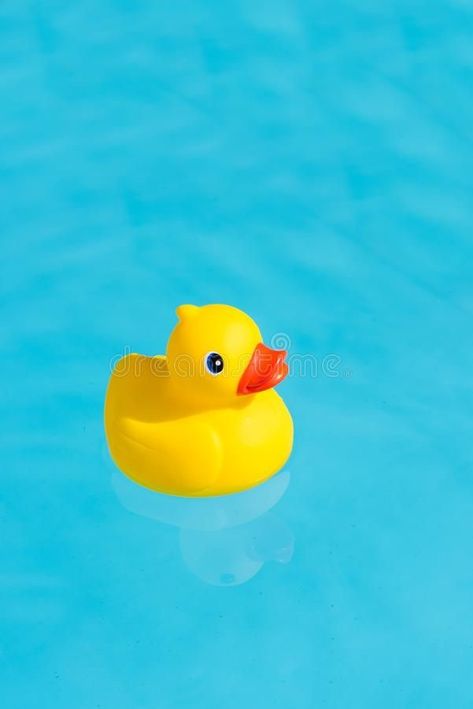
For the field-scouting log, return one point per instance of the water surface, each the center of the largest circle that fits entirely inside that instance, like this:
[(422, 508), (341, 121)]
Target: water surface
[(310, 163)]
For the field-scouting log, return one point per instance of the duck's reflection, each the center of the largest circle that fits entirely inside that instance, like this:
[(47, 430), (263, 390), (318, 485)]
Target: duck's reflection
[(223, 540)]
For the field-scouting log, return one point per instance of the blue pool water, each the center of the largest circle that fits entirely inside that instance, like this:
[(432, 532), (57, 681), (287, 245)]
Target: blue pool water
[(311, 163)]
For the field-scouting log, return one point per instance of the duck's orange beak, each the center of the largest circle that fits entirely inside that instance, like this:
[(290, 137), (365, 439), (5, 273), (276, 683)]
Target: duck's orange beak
[(265, 369)]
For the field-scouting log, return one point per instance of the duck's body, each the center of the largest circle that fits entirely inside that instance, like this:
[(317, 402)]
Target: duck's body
[(192, 444)]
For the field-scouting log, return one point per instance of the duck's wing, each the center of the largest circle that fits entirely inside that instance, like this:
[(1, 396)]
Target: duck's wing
[(181, 457)]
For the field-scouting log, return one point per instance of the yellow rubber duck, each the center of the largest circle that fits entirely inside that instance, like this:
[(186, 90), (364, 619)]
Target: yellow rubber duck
[(204, 419)]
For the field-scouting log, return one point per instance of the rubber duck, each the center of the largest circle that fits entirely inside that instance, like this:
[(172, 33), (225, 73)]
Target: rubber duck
[(203, 419)]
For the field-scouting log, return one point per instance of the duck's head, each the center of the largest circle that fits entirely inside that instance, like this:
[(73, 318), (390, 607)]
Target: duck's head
[(216, 355)]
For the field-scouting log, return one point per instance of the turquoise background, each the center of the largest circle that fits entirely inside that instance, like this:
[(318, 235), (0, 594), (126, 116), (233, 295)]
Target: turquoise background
[(311, 163)]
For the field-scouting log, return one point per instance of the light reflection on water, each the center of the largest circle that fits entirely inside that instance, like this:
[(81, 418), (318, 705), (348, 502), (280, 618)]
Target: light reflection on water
[(223, 540)]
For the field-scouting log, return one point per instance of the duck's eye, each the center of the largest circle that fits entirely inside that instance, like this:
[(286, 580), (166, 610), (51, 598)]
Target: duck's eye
[(214, 362)]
